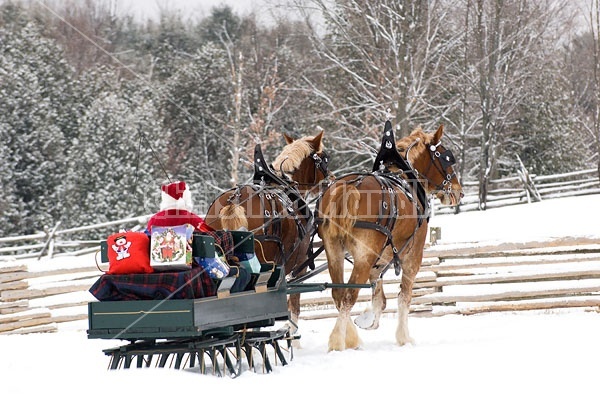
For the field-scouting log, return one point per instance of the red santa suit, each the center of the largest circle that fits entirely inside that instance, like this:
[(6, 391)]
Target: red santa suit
[(176, 209)]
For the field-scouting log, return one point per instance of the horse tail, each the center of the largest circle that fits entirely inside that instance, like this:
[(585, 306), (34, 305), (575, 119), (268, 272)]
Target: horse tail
[(233, 217), (340, 213)]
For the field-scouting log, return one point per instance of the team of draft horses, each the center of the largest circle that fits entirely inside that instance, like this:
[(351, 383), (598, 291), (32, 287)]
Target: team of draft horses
[(377, 219)]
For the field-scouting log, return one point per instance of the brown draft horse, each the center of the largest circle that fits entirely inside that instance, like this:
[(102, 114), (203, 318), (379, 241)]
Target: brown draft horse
[(274, 207), (381, 219)]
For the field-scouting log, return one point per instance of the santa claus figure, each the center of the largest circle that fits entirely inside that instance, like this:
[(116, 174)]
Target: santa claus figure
[(176, 208)]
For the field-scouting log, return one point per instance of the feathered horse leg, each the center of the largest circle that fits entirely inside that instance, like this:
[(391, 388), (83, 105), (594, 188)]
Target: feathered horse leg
[(411, 262)]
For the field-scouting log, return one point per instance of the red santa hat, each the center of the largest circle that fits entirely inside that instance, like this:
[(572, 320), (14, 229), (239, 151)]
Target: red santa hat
[(176, 195)]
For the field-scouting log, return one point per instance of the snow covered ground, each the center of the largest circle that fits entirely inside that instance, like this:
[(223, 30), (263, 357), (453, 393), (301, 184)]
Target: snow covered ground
[(537, 353)]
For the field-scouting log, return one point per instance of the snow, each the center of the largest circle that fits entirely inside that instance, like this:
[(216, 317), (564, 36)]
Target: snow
[(574, 216), (552, 353)]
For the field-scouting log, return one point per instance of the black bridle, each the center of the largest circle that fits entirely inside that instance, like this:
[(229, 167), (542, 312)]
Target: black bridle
[(321, 161), (445, 161)]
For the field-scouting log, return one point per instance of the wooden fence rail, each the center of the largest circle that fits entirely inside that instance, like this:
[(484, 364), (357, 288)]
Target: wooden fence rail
[(51, 242), (502, 192), (468, 279), (526, 188)]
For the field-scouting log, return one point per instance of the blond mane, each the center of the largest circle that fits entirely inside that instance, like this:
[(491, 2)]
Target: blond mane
[(293, 154), (403, 143)]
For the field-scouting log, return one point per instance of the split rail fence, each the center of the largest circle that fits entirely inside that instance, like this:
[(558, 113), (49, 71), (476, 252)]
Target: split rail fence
[(478, 277), (523, 188), (527, 188)]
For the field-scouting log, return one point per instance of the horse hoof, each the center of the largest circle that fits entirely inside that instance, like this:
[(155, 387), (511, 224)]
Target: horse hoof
[(335, 346), (405, 341), (366, 320)]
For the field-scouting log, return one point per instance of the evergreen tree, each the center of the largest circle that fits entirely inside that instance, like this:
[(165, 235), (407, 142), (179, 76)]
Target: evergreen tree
[(166, 42), (221, 19), (196, 102), (113, 172), (11, 205), (35, 98), (545, 135)]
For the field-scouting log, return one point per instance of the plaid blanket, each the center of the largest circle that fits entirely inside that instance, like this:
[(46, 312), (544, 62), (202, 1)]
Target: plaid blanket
[(223, 239), (191, 284), (194, 283)]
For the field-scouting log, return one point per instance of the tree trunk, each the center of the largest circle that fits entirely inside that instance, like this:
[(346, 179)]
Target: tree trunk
[(236, 127), (597, 76)]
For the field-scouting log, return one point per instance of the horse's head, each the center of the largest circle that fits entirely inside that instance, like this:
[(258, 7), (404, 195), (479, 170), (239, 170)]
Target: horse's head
[(304, 161), (433, 163)]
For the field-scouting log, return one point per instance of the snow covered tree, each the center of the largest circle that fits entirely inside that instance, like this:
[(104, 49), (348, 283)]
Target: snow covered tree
[(161, 45), (88, 31), (10, 203), (585, 75), (196, 102), (35, 98), (374, 57), (221, 101), (113, 167), (254, 55), (505, 94), (510, 38)]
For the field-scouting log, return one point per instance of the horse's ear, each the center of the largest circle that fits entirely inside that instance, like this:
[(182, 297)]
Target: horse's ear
[(288, 139), (437, 137), (316, 142)]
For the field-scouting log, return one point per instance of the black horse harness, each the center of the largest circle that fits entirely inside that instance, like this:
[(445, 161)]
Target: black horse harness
[(387, 156), (282, 196), (390, 183)]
